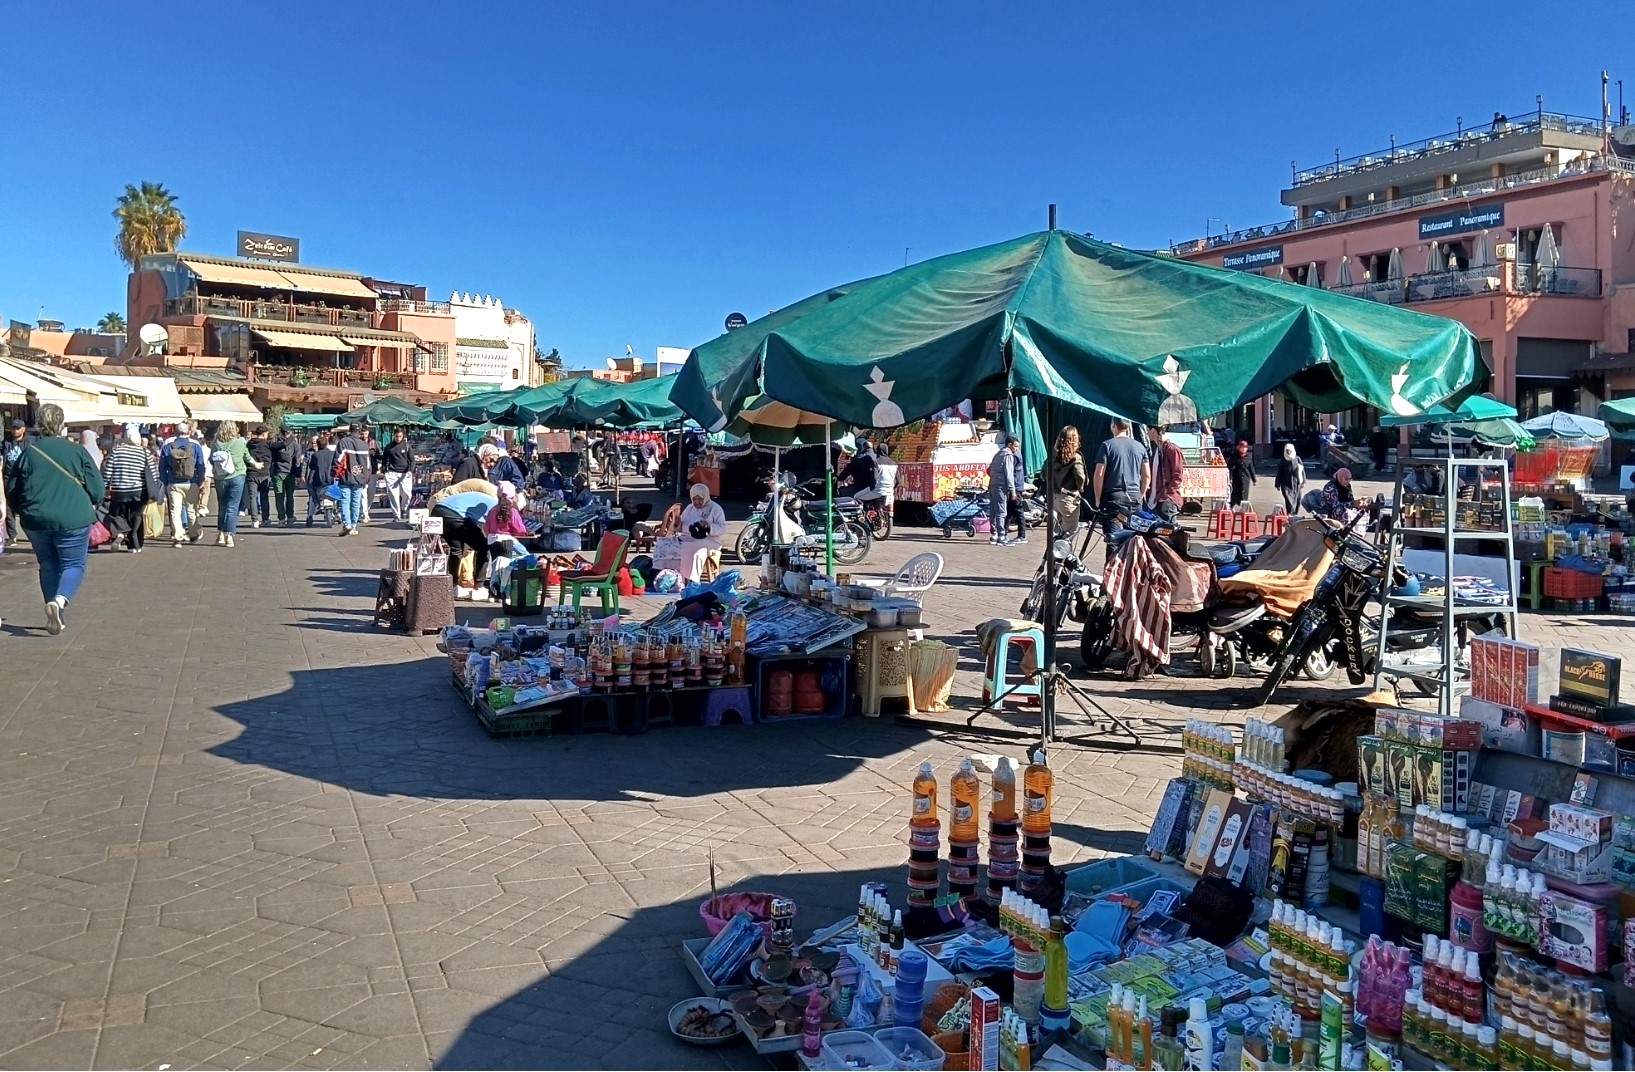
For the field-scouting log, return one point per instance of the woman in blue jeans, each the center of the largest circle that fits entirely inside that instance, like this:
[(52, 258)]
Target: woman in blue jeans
[(229, 465), (54, 487)]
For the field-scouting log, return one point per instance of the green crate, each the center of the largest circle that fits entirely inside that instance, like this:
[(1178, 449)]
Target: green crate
[(522, 724)]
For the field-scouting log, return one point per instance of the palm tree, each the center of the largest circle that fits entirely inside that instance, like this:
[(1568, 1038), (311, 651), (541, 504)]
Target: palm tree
[(149, 222), (111, 324)]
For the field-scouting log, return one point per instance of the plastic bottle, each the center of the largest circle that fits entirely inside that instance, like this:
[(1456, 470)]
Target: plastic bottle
[(1466, 925), (1471, 992), (811, 1039), (1143, 1036), (1200, 1039), (1056, 974), (1004, 791), (894, 956), (1232, 1049), (925, 798), (1597, 1026), (1037, 783), (964, 795), (1168, 1053)]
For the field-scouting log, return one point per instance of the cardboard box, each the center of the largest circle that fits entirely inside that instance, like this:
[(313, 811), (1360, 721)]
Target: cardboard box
[(1208, 831), (1230, 857), (1506, 729), (984, 1053), (1371, 765), (1577, 860), (1574, 931), (1589, 675), (1579, 821), (1168, 834)]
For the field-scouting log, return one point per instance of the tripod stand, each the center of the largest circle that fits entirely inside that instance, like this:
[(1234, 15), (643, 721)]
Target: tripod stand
[(1053, 680)]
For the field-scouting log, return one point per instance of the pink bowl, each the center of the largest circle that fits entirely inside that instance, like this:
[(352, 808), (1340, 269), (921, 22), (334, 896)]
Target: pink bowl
[(758, 905)]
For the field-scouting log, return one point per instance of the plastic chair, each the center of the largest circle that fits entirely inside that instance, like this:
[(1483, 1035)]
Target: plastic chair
[(603, 575), (996, 679), (916, 577)]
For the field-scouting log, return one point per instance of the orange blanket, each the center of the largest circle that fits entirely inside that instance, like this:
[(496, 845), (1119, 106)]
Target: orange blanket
[(1287, 572)]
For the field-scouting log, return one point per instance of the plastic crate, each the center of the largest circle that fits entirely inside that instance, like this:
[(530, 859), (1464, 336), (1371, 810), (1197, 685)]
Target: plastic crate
[(1104, 876), (523, 724), (836, 701), (1571, 584)]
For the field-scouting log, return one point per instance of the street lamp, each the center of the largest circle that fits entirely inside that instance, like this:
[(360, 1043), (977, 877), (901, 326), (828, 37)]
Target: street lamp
[(1210, 220)]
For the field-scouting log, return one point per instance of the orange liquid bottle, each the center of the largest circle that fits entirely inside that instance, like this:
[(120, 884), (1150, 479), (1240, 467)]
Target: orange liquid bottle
[(925, 798), (1004, 791), (1037, 782), (964, 795)]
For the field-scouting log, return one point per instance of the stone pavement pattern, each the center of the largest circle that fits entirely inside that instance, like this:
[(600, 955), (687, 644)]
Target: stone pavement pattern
[(241, 828)]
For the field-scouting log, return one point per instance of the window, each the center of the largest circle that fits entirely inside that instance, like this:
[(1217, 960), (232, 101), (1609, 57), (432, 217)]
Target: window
[(439, 357)]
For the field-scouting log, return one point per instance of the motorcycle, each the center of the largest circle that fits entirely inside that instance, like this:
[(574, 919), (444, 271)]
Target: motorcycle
[(876, 514), (1248, 629), (1077, 587), (802, 522), (1336, 619)]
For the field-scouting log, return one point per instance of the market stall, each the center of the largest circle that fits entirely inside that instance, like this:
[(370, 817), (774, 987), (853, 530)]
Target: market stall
[(935, 459)]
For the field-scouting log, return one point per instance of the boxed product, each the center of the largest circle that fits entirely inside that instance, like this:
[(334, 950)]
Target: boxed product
[(1504, 671), (1578, 821), (984, 1053), (1578, 860), (1573, 931), (1230, 857), (1291, 853), (1168, 834), (1371, 766), (1208, 830), (1440, 779), (1507, 729), (1589, 675)]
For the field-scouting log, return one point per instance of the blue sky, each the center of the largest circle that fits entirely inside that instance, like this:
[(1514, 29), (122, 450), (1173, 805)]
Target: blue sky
[(630, 173)]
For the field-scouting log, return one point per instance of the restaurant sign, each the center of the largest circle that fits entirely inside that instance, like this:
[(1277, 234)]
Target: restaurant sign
[(269, 247), (1249, 260), (1466, 219)]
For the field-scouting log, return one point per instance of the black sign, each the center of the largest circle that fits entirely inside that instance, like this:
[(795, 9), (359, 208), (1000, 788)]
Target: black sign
[(736, 321), (1249, 260), (1466, 219), (269, 247)]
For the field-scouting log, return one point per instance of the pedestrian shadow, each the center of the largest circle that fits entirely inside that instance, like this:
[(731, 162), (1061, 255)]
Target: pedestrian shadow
[(401, 729), (360, 583)]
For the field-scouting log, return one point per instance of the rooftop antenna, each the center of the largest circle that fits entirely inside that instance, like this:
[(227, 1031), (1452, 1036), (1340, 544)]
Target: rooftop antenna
[(1052, 215)]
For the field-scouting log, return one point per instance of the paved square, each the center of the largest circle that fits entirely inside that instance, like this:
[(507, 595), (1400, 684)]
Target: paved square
[(239, 827)]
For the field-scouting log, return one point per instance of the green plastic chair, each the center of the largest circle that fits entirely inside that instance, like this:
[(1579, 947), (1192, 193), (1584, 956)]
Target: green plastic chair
[(603, 575)]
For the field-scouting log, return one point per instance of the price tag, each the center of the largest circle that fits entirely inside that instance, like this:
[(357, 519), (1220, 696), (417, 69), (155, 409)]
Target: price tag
[(432, 526)]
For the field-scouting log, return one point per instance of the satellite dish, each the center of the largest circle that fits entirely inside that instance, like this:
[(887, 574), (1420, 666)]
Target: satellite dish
[(612, 364), (153, 337)]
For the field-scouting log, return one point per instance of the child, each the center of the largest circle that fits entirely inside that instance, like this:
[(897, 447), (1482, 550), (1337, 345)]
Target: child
[(505, 518)]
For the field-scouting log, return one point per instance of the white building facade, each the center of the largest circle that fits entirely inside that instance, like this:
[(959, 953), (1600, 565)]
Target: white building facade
[(494, 346)]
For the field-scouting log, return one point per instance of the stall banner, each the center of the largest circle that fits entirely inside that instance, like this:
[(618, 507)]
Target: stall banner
[(1204, 482)]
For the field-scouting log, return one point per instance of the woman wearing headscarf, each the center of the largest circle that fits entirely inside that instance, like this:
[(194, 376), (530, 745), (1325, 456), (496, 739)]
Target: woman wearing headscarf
[(1337, 499), (129, 470), (88, 440), (703, 523), (54, 488), (1068, 479), (1290, 479), (1240, 469)]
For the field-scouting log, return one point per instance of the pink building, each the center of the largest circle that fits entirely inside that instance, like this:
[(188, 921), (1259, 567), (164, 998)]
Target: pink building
[(1522, 229)]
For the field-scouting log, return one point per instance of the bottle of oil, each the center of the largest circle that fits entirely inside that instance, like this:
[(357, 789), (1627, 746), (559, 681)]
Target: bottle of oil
[(1004, 791), (1597, 1027), (1037, 783), (964, 793), (925, 798)]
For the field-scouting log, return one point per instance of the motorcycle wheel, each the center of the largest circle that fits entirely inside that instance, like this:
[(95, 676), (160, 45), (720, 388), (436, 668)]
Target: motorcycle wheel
[(751, 543), (882, 525), (1289, 658), (1319, 666), (1034, 603), (1096, 639), (855, 549)]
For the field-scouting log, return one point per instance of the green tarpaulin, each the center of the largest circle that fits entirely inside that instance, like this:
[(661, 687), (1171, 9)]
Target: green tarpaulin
[(479, 408), (1619, 417), (583, 402), (1487, 419), (390, 411), (309, 422), (1135, 334)]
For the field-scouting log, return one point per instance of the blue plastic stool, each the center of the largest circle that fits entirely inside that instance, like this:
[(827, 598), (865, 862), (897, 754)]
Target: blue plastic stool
[(728, 700), (996, 679)]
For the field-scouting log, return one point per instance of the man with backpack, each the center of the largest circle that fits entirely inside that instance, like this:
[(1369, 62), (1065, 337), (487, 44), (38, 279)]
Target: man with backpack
[(181, 470), (353, 473)]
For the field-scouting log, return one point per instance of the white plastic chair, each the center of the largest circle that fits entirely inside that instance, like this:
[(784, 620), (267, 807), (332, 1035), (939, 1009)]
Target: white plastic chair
[(916, 577)]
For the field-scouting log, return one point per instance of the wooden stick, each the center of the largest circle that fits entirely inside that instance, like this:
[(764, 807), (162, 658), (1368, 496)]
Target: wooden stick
[(715, 909)]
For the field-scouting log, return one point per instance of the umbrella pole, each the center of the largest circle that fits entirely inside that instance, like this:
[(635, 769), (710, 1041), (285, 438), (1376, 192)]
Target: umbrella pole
[(1047, 697), (829, 497)]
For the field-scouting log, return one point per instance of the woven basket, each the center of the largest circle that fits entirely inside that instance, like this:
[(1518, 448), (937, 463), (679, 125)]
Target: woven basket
[(955, 1044)]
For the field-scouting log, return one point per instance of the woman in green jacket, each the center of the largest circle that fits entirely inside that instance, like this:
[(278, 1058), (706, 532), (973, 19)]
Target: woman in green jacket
[(54, 487)]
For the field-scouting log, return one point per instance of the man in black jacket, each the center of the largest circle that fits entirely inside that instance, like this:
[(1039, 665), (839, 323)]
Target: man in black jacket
[(397, 465), (319, 466), (257, 492), (286, 469)]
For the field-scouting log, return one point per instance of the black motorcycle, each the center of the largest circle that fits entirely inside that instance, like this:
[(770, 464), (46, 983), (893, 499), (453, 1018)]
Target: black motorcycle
[(1077, 587)]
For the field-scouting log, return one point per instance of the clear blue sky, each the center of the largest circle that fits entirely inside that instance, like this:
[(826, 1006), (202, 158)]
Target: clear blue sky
[(630, 173)]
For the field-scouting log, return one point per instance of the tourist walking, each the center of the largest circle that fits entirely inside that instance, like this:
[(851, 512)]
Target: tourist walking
[(397, 472), (181, 470), (17, 437), (286, 469), (320, 473), (352, 471), (55, 489), (1290, 480), (229, 465), (258, 492), (88, 440), (1240, 470), (1068, 480), (1123, 471), (129, 471), (366, 500)]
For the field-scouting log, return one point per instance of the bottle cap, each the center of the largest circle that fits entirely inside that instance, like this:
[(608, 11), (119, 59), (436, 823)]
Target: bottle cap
[(925, 768), (1508, 1023), (1198, 1009), (1004, 764), (965, 764), (1039, 756)]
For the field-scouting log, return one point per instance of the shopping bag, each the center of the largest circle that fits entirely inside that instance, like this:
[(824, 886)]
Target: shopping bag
[(153, 520), (100, 536), (467, 577), (333, 491)]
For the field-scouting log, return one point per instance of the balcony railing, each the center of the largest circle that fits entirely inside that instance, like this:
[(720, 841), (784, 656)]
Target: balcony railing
[(407, 305), (286, 375), (1514, 280), (244, 309), (1532, 123), (1465, 192)]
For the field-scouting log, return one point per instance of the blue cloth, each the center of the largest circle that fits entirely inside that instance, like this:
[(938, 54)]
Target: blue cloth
[(994, 955), (61, 556), (351, 506), (472, 505), (1101, 934), (229, 493)]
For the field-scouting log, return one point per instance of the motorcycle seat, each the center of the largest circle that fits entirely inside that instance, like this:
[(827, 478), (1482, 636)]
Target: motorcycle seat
[(1225, 554), (1231, 616)]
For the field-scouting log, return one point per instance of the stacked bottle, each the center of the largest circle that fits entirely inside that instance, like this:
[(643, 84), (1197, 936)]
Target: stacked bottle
[(1207, 753), (1003, 831), (908, 1006), (1309, 958), (1548, 1020), (1382, 988), (1037, 786), (924, 842), (1445, 1017), (964, 792), (1510, 903), (1028, 925), (874, 924)]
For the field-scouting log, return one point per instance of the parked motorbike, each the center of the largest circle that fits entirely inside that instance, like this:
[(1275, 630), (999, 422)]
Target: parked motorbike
[(1249, 630), (803, 520), (876, 514), (1077, 586)]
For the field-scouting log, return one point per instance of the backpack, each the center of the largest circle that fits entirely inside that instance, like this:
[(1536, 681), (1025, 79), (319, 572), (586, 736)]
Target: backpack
[(183, 461)]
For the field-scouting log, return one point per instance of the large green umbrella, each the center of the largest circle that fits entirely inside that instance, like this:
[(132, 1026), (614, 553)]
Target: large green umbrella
[(1487, 419), (614, 405), (390, 410), (769, 423), (1134, 334), (480, 407), (1619, 417), (540, 405), (309, 422)]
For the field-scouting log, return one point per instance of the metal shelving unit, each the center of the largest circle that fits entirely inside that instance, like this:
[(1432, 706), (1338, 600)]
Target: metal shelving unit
[(1448, 678)]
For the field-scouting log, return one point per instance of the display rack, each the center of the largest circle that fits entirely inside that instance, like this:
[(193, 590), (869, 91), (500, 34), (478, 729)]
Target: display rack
[(1448, 677)]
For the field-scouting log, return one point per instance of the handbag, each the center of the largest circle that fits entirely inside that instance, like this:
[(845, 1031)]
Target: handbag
[(100, 534), (333, 491)]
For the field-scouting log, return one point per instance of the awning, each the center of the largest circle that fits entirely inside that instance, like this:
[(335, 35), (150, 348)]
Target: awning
[(313, 283), (221, 408), (160, 403), (300, 340), (235, 274), (395, 344)]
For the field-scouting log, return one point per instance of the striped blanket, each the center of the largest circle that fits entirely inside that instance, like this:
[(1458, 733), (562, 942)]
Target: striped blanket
[(1139, 589)]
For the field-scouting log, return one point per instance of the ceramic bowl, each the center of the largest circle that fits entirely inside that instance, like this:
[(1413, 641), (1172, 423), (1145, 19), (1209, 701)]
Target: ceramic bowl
[(716, 1006)]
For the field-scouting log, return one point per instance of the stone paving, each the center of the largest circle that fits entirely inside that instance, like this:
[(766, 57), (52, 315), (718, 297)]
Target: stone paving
[(239, 827)]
